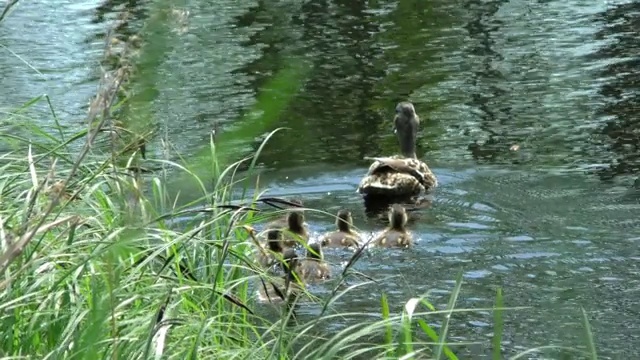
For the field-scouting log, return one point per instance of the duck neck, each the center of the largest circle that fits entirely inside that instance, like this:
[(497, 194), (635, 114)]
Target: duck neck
[(274, 245), (295, 223), (407, 144), (397, 221), (344, 226)]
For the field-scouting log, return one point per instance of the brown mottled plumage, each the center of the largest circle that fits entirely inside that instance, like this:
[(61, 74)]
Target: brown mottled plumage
[(285, 287), (404, 175), (313, 268), (293, 228), (345, 236), (396, 234)]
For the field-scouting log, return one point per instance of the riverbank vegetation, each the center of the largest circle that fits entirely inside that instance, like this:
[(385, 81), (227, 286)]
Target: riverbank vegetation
[(102, 258)]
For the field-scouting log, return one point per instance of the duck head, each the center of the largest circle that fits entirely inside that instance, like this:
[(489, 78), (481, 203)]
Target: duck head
[(344, 220), (315, 251), (405, 126), (274, 240), (398, 217), (295, 220)]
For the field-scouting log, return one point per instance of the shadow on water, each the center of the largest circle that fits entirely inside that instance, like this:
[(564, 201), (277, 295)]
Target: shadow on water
[(487, 85), (555, 78), (339, 97), (622, 89), (131, 10)]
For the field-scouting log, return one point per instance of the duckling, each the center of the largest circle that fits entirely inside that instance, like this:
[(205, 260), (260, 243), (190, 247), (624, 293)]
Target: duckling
[(345, 236), (396, 234), (266, 255), (294, 230), (286, 287), (313, 268), (400, 176)]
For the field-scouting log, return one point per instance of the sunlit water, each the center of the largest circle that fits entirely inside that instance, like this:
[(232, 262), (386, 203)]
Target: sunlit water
[(554, 223)]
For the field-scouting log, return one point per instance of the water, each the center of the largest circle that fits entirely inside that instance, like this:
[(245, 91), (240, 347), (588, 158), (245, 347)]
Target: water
[(553, 222)]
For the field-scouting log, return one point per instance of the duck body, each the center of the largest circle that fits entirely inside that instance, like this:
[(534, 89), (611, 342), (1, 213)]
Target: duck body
[(314, 268), (396, 234), (283, 288), (399, 175), (341, 239), (345, 236), (394, 238)]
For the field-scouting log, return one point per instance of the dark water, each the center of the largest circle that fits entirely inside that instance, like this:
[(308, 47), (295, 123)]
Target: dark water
[(554, 223)]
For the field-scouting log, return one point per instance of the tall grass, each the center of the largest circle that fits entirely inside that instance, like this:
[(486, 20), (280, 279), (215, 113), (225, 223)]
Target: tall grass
[(98, 260)]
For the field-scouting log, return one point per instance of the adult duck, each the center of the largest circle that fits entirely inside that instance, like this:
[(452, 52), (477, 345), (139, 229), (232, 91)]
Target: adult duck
[(400, 176)]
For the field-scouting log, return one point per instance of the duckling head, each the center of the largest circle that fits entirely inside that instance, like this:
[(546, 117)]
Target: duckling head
[(315, 251), (398, 217), (405, 126), (274, 240), (295, 220), (344, 220)]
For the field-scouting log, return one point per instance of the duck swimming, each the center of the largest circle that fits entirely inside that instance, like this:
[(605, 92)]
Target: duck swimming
[(267, 255), (286, 287), (293, 228), (314, 268), (345, 236), (400, 176), (396, 234)]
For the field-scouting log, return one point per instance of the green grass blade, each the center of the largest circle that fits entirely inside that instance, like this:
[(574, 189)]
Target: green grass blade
[(445, 323), (388, 331), (433, 335), (591, 343)]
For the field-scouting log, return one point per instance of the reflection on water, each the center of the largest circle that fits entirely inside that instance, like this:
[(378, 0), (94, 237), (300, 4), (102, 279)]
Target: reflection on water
[(52, 57), (621, 88), (558, 79)]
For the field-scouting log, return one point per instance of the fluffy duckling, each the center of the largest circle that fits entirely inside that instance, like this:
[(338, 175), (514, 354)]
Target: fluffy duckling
[(294, 229), (396, 234), (313, 268), (400, 176), (345, 236), (286, 287), (267, 254)]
